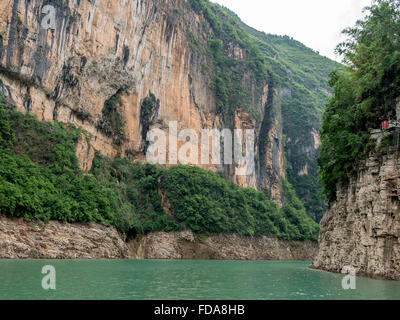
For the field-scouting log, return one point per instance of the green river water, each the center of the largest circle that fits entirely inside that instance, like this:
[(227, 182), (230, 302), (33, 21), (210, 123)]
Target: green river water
[(176, 280)]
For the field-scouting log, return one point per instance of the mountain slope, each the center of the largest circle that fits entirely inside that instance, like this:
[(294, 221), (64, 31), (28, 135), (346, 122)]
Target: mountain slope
[(118, 71)]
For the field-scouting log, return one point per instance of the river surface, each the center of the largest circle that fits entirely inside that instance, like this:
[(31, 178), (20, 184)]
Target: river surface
[(175, 280)]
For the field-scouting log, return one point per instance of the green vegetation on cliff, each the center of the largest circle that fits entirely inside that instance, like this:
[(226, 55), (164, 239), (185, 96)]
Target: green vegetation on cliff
[(304, 92), (40, 179), (301, 73), (111, 123), (40, 168), (155, 199), (365, 92), (207, 203), (40, 176), (228, 71)]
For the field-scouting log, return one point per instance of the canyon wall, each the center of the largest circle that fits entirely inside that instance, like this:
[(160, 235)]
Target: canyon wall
[(107, 56), (362, 227)]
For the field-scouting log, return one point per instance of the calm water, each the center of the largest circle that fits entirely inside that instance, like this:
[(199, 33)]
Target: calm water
[(127, 279)]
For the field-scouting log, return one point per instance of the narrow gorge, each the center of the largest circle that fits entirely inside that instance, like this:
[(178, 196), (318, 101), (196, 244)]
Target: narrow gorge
[(108, 72)]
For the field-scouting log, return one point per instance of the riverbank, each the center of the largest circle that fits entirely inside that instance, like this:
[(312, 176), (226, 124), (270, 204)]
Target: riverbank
[(21, 239), (186, 245)]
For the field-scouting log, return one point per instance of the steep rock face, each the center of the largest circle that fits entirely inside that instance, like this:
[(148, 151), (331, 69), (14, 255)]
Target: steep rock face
[(115, 53), (304, 89), (362, 227)]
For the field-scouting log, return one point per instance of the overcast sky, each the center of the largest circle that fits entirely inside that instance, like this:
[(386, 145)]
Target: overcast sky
[(316, 23)]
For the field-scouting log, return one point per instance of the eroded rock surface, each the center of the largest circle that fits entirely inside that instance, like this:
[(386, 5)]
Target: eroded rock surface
[(54, 240), (21, 239), (362, 228), (185, 245)]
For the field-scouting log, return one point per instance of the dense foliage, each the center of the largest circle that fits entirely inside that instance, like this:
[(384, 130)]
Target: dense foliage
[(136, 187), (365, 92), (111, 123), (148, 110), (207, 203), (40, 179)]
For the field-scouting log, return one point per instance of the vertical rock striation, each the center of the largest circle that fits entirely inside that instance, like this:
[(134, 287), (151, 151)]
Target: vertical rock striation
[(362, 227)]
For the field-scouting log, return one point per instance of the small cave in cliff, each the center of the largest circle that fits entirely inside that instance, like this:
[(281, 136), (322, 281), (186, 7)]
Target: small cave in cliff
[(148, 114)]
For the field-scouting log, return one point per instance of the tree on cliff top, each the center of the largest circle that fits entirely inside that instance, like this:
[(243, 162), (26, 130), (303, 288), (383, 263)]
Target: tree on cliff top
[(365, 92)]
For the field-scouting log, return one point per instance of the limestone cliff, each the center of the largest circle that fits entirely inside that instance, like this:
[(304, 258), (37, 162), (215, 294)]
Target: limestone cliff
[(107, 56), (362, 227)]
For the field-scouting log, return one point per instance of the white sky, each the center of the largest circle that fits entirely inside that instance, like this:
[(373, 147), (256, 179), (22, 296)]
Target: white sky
[(316, 23)]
